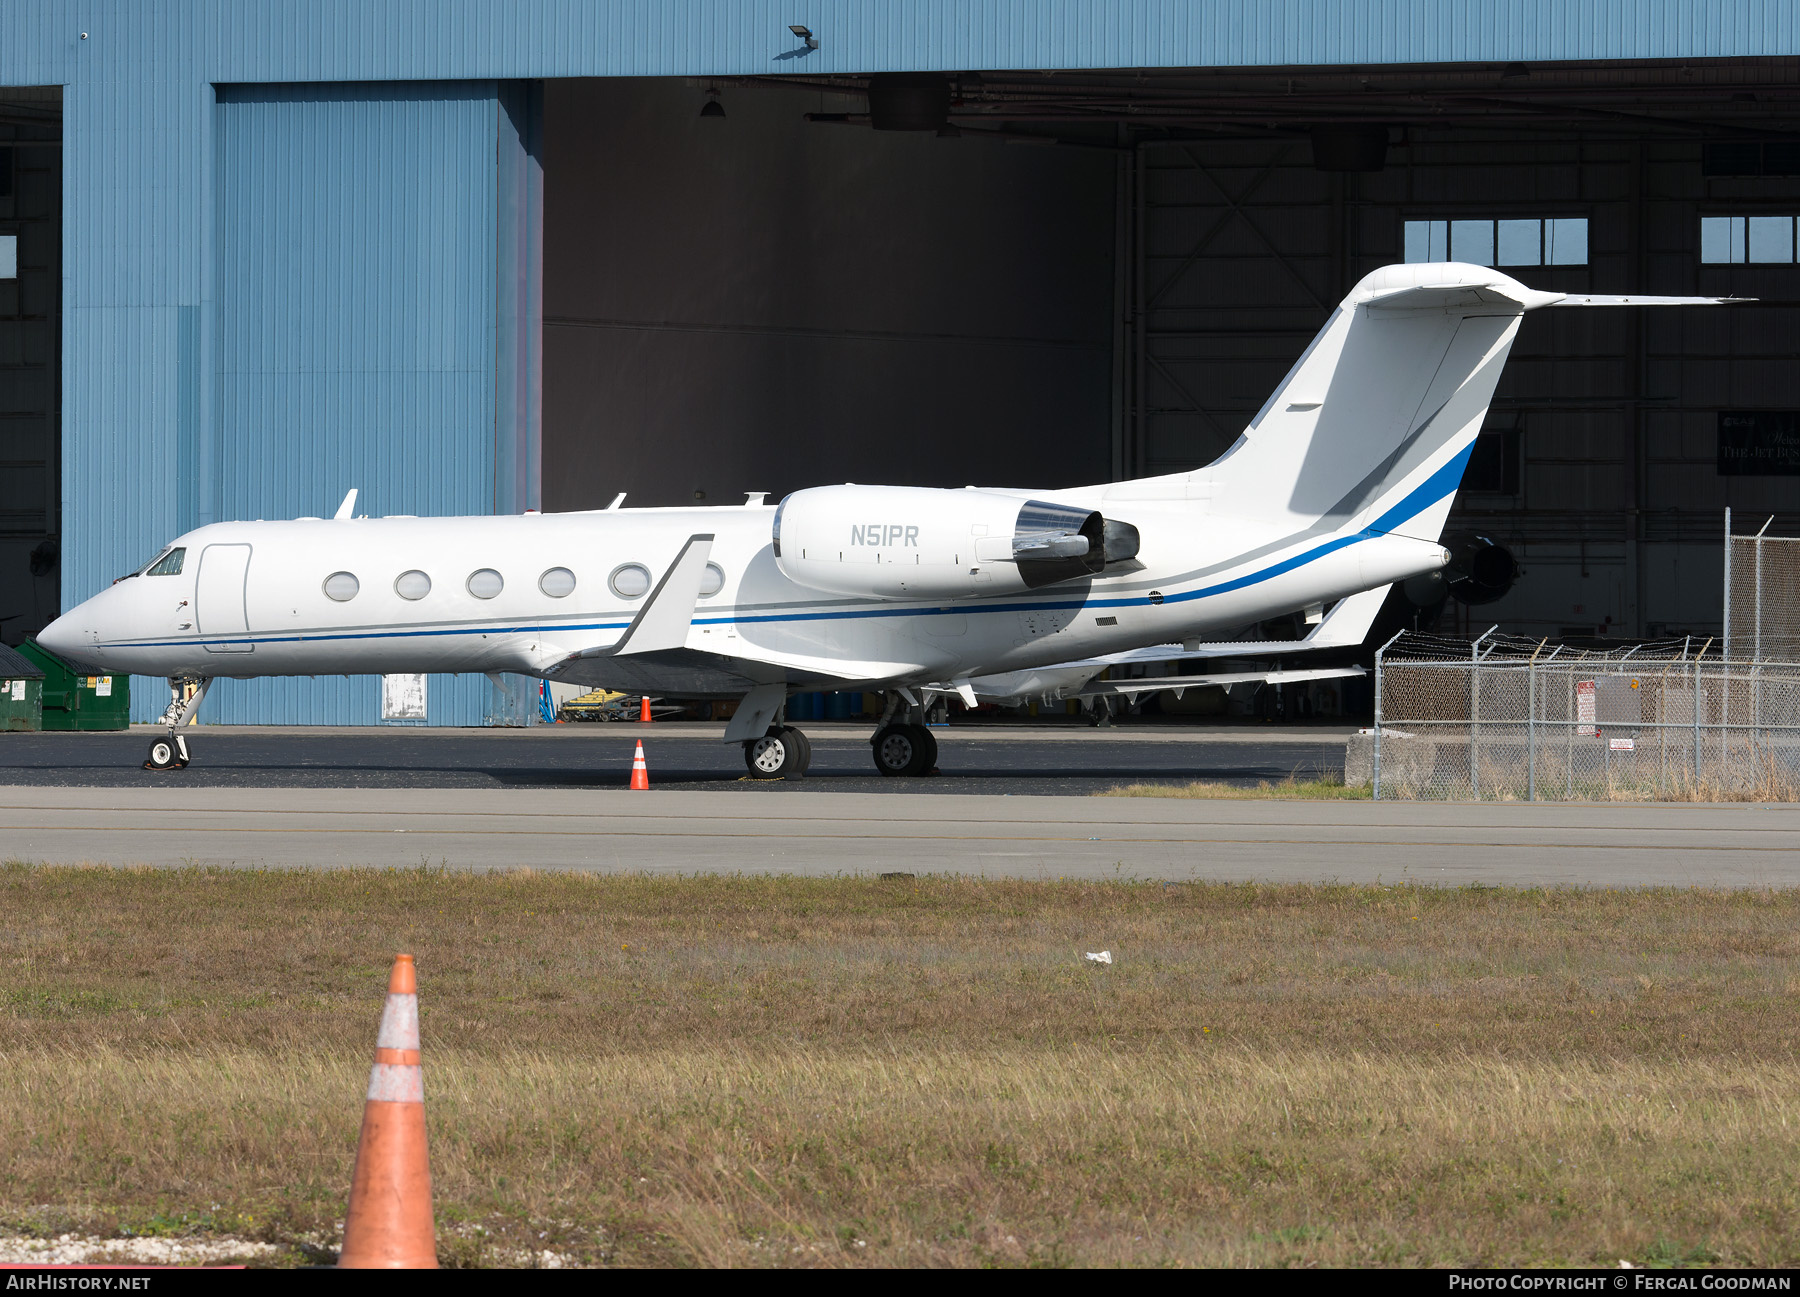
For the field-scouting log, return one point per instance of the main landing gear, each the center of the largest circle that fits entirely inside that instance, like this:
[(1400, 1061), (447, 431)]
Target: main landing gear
[(172, 753), (783, 753), (904, 748), (901, 746)]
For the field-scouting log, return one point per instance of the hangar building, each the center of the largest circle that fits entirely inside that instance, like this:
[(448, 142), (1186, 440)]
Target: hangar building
[(471, 256)]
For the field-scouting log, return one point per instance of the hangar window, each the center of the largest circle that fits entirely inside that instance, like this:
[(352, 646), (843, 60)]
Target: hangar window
[(412, 585), (558, 583), (168, 565), (341, 586), (630, 581), (1747, 240), (712, 580), (1507, 241), (485, 583), (9, 256)]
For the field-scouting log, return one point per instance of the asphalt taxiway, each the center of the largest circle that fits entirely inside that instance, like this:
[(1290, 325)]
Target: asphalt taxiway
[(1070, 759), (816, 833), (1013, 802)]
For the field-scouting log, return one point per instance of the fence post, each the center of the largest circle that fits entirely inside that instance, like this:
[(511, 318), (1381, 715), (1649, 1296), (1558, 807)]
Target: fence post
[(1697, 722), (1569, 726), (1531, 728), (1376, 761), (1726, 647), (1475, 712)]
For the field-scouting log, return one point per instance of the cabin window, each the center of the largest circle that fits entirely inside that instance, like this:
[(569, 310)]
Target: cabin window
[(712, 580), (412, 585), (558, 583), (485, 583), (168, 565), (341, 586), (630, 580)]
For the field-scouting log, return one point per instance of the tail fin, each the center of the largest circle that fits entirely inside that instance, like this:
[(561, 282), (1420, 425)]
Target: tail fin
[(1372, 427)]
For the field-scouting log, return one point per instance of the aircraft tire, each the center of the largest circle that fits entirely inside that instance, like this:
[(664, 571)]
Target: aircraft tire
[(803, 743), (163, 756), (774, 756), (903, 750), (929, 741)]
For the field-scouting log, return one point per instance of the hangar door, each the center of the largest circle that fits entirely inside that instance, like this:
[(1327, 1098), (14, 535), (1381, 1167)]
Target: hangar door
[(374, 277)]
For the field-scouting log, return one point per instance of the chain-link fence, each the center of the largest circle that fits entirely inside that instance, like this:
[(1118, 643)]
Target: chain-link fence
[(1504, 719), (1762, 596)]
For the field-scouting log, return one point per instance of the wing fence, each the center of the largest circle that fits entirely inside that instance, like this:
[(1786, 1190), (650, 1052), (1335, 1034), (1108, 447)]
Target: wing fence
[(1506, 719)]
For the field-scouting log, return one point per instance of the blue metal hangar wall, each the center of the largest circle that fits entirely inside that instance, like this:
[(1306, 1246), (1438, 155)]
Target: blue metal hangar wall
[(472, 257)]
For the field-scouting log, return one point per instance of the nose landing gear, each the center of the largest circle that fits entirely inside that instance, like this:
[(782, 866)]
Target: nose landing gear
[(168, 754), (172, 753)]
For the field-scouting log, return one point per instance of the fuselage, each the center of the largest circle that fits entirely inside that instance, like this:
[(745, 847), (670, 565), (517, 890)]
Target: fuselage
[(547, 594)]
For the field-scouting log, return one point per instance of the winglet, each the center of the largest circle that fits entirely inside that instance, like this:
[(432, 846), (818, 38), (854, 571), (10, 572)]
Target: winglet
[(344, 509)]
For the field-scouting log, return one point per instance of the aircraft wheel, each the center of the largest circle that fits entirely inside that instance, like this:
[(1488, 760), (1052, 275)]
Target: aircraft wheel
[(163, 756), (774, 756), (902, 750)]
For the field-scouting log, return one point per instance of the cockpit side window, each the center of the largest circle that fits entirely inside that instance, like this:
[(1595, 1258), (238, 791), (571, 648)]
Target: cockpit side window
[(168, 565)]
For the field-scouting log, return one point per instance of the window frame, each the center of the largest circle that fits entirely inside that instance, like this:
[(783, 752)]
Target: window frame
[(1494, 219), (1741, 217)]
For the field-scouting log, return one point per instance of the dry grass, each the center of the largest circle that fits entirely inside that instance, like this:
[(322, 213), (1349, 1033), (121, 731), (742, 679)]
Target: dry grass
[(848, 1071), (1323, 788)]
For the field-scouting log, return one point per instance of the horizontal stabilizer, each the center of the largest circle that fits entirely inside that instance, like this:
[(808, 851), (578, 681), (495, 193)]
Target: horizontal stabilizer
[(1641, 299)]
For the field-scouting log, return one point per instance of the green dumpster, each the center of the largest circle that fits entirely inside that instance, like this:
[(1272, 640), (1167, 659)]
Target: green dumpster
[(21, 692), (79, 702)]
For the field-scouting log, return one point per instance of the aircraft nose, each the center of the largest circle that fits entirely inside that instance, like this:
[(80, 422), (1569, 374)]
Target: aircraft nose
[(62, 637)]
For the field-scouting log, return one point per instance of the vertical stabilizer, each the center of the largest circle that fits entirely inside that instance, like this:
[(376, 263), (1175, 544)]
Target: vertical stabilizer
[(1372, 427)]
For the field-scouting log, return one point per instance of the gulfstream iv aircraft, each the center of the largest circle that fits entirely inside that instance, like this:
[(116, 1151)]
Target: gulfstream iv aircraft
[(1340, 485)]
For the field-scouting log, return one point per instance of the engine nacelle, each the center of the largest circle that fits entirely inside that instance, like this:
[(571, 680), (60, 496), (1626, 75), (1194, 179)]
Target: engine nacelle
[(910, 542)]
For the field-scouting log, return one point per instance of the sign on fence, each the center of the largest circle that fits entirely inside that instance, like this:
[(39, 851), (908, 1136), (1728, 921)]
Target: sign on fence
[(1584, 708)]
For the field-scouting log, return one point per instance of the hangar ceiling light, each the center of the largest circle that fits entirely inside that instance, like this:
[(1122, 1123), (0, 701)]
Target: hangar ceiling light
[(712, 107)]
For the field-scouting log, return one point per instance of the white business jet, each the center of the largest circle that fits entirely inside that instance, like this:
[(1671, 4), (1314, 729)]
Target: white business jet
[(1340, 485)]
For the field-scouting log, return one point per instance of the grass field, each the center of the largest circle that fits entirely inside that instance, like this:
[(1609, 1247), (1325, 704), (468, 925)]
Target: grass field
[(865, 1071)]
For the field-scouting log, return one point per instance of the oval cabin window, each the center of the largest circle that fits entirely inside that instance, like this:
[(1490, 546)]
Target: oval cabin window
[(341, 586), (712, 580), (558, 583), (485, 583), (631, 581), (412, 585)]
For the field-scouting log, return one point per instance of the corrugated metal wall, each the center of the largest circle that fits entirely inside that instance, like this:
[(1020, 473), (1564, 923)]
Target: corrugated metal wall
[(358, 40), (354, 334)]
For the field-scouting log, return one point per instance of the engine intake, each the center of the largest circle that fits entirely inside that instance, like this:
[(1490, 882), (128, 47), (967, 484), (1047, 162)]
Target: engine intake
[(903, 542)]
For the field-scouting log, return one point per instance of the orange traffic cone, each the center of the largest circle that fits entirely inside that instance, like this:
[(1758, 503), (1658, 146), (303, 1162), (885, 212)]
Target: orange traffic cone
[(388, 1225), (640, 773), (644, 710)]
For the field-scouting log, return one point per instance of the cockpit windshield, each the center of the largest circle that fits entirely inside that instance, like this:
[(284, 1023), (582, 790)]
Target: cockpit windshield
[(168, 565)]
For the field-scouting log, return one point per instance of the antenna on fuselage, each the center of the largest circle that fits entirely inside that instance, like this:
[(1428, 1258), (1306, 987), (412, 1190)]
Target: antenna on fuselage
[(618, 500), (344, 509)]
